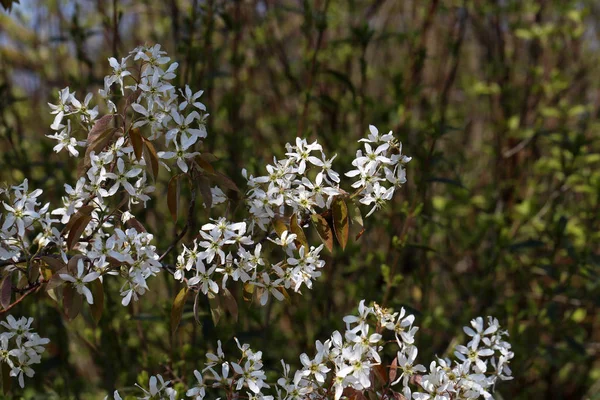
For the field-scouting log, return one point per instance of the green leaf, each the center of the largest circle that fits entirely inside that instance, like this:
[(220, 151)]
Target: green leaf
[(177, 309), (98, 293), (355, 214), (324, 231), (298, 231), (340, 220), (279, 226)]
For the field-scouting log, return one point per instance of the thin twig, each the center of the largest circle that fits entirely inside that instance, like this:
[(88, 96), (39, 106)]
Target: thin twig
[(188, 223), (34, 288)]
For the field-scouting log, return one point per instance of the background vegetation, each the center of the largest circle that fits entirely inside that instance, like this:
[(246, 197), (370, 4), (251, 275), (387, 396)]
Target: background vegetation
[(497, 101)]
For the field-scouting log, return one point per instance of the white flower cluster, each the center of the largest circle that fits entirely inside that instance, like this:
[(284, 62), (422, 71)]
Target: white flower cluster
[(345, 364), (157, 105), (227, 251), (382, 161), (22, 214), (287, 185), (120, 158), (133, 252), (20, 347)]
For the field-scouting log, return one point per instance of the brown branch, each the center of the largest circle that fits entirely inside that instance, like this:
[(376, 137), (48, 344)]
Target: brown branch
[(34, 288)]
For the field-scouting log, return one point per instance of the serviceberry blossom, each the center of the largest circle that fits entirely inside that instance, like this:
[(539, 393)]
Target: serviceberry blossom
[(345, 363), (153, 125), (20, 347), (80, 281)]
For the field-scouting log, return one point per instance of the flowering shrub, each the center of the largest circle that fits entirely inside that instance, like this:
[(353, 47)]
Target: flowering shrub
[(351, 365), (151, 126)]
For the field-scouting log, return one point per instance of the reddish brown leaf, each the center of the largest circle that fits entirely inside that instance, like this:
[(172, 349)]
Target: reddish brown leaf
[(151, 158), (393, 370), (77, 230), (135, 224), (98, 137), (324, 230), (55, 264), (98, 293), (299, 232), (204, 164), (84, 210), (6, 291), (229, 303), (72, 301), (137, 142), (204, 186), (224, 181)]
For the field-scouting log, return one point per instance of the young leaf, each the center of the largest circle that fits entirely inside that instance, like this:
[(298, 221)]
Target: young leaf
[(279, 226), (229, 303), (340, 220), (204, 186), (97, 139), (196, 312), (355, 214), (224, 181), (55, 281), (173, 196), (324, 231), (297, 229), (55, 264), (135, 224), (177, 309), (151, 158), (77, 230), (215, 307), (393, 370), (98, 293), (137, 142), (72, 301), (248, 291), (6, 291), (204, 164), (84, 210)]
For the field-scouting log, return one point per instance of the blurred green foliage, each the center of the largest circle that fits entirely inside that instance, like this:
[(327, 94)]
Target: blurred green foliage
[(497, 102)]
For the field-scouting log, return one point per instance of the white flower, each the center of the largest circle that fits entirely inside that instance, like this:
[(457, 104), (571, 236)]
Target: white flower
[(119, 72), (80, 280)]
